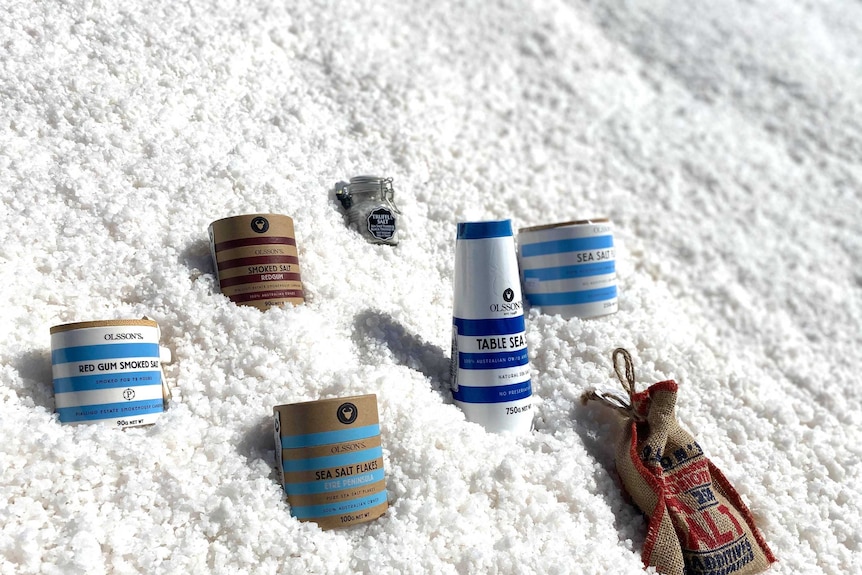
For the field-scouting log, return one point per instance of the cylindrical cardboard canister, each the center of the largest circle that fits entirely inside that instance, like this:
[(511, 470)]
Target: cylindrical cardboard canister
[(490, 375), (256, 260), (331, 461), (109, 372), (570, 268)]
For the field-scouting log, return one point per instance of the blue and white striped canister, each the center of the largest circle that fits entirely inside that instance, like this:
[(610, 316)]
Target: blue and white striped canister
[(570, 268), (490, 375), (330, 460), (108, 372)]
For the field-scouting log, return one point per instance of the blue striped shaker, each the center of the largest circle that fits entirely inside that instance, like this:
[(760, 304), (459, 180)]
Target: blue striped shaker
[(490, 370)]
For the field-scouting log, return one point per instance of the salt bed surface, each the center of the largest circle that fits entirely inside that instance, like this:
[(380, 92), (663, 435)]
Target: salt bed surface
[(723, 139)]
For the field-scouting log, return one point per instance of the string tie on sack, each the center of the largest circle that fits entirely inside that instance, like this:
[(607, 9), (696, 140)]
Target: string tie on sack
[(697, 521), (626, 375)]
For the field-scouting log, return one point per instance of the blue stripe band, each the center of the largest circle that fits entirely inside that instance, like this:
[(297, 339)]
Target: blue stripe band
[(327, 437), (570, 245), (107, 381), (483, 327), (573, 297), (110, 410), (497, 360), (484, 230), (496, 394), (327, 461), (341, 508), (340, 484), (570, 272), (104, 351)]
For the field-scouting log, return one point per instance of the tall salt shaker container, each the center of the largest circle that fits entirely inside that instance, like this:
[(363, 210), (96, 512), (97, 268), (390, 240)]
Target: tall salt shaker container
[(490, 370)]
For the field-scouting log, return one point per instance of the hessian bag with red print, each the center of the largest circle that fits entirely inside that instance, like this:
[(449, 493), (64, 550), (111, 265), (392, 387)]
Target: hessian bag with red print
[(698, 524)]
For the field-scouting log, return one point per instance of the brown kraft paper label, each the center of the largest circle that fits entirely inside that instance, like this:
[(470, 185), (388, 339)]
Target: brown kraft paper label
[(331, 460), (256, 260)]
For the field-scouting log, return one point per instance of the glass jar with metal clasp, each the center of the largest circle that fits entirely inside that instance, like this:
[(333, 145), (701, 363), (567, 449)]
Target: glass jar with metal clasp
[(370, 205)]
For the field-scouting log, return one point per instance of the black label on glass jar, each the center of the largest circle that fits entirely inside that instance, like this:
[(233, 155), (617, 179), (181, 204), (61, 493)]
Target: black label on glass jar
[(381, 223)]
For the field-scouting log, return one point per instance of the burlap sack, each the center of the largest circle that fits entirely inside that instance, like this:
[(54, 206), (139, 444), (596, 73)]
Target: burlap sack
[(698, 525)]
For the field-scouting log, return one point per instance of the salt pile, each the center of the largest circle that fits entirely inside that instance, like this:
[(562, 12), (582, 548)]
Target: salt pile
[(722, 140)]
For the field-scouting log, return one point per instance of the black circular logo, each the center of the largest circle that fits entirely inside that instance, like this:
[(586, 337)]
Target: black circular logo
[(129, 394), (347, 413), (509, 295), (260, 225)]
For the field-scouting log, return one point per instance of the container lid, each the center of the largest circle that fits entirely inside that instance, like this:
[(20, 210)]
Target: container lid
[(564, 224), (103, 323), (484, 230), (366, 184)]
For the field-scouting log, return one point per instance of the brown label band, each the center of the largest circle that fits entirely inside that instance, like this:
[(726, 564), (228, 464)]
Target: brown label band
[(280, 251), (331, 449), (335, 496), (361, 516), (262, 287), (323, 415), (333, 473), (257, 261), (259, 278), (241, 227), (103, 323), (254, 241), (272, 297), (265, 305), (259, 270)]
